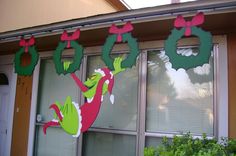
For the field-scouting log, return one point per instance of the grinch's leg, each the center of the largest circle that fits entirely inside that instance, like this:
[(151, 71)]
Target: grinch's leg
[(49, 124), (57, 111)]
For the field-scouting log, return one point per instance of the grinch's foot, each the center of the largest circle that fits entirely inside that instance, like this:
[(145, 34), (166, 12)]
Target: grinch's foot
[(57, 111), (49, 124)]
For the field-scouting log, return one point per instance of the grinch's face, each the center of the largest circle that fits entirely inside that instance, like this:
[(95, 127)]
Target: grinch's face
[(92, 83)]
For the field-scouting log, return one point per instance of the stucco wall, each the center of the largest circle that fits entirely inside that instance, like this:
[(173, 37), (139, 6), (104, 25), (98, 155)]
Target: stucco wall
[(17, 14)]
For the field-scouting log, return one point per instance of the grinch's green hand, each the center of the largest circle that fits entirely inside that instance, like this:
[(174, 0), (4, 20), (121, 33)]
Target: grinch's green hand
[(117, 65), (66, 65)]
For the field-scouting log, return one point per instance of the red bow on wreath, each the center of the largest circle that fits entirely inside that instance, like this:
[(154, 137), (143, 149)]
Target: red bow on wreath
[(197, 20), (115, 30), (25, 44), (66, 37)]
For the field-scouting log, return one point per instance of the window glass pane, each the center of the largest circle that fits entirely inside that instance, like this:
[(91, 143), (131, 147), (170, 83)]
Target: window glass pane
[(179, 101), (104, 144), (53, 87), (55, 143), (123, 113), (153, 141)]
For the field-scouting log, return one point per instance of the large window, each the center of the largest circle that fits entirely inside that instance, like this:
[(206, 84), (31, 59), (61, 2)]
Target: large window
[(53, 88), (178, 101), (152, 100)]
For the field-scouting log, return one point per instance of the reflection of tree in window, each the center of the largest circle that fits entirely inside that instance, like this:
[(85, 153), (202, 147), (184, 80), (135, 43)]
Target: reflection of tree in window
[(159, 83), (159, 89), (174, 103), (202, 74)]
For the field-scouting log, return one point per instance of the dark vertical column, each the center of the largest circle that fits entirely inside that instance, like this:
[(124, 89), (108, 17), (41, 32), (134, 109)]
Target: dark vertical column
[(231, 39)]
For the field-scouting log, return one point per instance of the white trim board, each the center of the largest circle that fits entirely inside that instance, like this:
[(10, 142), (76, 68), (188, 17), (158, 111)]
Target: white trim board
[(222, 87), (33, 110)]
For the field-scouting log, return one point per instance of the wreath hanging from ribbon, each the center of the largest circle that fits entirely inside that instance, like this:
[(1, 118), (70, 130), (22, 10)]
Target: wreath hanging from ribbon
[(120, 35), (26, 47), (67, 42), (189, 28)]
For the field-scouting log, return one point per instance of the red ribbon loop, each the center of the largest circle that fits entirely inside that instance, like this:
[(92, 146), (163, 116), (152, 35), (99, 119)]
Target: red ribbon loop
[(119, 31), (197, 20), (66, 37), (25, 44)]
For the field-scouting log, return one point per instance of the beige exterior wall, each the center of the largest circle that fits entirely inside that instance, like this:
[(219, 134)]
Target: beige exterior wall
[(18, 14)]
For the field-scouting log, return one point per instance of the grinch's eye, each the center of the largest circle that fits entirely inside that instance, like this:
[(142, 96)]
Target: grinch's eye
[(93, 77)]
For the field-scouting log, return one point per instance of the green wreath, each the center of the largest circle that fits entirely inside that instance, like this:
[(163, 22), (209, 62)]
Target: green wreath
[(76, 61), (131, 58), (186, 62), (26, 70)]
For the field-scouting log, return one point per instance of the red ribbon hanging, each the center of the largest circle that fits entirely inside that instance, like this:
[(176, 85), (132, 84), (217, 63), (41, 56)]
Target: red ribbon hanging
[(197, 20), (25, 44), (119, 31), (67, 38)]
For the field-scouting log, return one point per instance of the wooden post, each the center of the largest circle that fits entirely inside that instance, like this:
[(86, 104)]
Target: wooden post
[(231, 38), (21, 120)]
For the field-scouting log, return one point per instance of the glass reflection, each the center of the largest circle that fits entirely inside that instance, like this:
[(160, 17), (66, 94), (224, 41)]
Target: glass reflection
[(179, 101)]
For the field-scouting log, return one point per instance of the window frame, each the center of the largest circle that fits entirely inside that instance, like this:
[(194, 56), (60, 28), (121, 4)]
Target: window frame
[(220, 88)]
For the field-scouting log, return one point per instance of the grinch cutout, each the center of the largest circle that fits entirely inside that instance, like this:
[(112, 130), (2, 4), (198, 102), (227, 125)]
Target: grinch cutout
[(74, 119)]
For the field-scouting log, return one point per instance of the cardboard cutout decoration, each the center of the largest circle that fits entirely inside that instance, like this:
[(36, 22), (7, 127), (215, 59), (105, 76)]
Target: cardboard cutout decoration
[(27, 47), (120, 35), (67, 42), (68, 116), (74, 119), (189, 28)]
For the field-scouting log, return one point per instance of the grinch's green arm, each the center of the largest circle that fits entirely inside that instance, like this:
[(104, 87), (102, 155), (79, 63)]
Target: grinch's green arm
[(80, 84), (117, 66)]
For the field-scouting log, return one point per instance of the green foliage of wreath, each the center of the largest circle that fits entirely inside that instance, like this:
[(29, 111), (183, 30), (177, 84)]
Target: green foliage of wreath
[(76, 61), (26, 70), (131, 58), (186, 62)]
